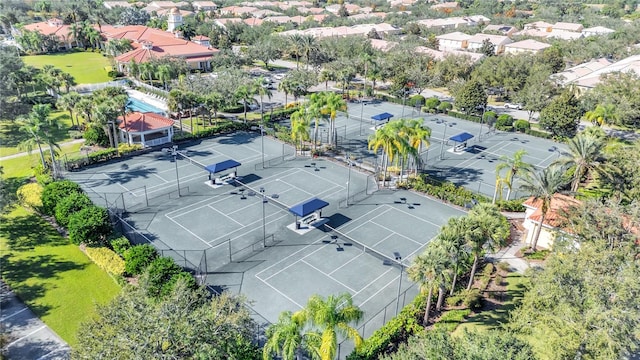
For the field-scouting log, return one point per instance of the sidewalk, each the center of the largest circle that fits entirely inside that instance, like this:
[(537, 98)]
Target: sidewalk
[(13, 156)]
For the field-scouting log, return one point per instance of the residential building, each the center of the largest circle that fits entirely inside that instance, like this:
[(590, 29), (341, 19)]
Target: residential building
[(539, 25), (525, 46), (506, 30), (564, 35), (147, 129), (440, 55), (361, 29), (454, 22), (174, 19), (237, 10), (201, 40), (589, 81), (453, 41), (564, 26), (446, 6), (475, 42), (149, 43), (54, 27), (597, 31), (553, 220), (574, 73), (383, 45), (115, 4), (204, 5)]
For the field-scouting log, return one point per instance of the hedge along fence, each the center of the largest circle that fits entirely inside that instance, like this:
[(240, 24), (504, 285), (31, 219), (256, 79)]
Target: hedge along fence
[(80, 160), (106, 259), (218, 129), (394, 332), (528, 131), (279, 114)]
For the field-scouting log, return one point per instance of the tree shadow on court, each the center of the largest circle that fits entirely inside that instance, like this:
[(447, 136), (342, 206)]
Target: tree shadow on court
[(457, 175), (123, 177), (197, 153), (238, 138)]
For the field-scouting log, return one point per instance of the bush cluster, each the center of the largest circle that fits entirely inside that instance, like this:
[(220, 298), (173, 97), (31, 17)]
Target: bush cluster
[(161, 276), (504, 122), (99, 156), (106, 259), (394, 332), (521, 125), (446, 191), (95, 135), (90, 226), (138, 257), (450, 319), (514, 205), (463, 116), (30, 195), (69, 206), (120, 245), (280, 114), (54, 192)]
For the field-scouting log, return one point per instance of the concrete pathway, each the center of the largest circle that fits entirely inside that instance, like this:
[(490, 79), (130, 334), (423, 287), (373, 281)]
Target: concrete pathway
[(29, 337), (12, 156)]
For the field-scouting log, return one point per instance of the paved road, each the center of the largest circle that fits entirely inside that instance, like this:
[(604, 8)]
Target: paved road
[(29, 337)]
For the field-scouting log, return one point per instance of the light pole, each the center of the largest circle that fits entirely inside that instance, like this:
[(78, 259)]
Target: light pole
[(484, 107), (262, 143), (399, 260), (174, 152), (404, 100), (444, 135), (349, 164), (264, 226)]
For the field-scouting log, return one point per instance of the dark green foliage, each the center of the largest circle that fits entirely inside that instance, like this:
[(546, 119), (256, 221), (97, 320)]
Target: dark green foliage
[(480, 345), (471, 96), (471, 299), (69, 206), (99, 156), (90, 226), (450, 320), (514, 205), (444, 106), (94, 135), (157, 279), (120, 245), (521, 125), (562, 115), (394, 332), (431, 104), (138, 257), (56, 191), (504, 121), (447, 191), (416, 100), (458, 115), (221, 128), (537, 133)]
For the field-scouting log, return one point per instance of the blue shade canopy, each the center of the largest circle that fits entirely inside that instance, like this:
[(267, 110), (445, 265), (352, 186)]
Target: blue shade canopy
[(308, 207), (383, 116), (222, 166), (462, 137)]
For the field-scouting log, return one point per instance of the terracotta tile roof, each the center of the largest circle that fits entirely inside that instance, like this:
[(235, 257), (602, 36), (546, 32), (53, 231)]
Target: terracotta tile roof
[(50, 27), (555, 215), (199, 38), (140, 122)]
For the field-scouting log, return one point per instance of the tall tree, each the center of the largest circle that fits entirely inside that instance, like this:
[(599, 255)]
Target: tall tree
[(69, 102), (542, 185), (300, 127), (585, 156), (471, 96), (426, 270), (603, 114), (288, 339), (562, 115), (514, 166)]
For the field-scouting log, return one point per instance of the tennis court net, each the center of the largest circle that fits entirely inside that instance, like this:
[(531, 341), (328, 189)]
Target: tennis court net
[(192, 161), (387, 260)]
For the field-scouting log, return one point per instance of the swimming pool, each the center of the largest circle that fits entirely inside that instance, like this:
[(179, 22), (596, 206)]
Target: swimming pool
[(137, 105)]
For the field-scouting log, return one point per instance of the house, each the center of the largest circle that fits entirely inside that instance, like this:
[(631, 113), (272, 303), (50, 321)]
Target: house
[(564, 35), (162, 6), (115, 4), (382, 45), (525, 46), (453, 41), (204, 5), (499, 41), (149, 43), (440, 55), (553, 220), (539, 25), (201, 40), (361, 29), (572, 74), (351, 8), (506, 30), (596, 31), (564, 26), (54, 27), (454, 22), (237, 10), (589, 81), (446, 6), (145, 128)]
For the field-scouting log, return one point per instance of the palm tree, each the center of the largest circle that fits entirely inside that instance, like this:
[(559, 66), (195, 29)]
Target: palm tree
[(66, 80), (515, 166), (76, 31), (419, 135), (262, 91), (586, 156), (212, 102), (542, 185), (296, 47), (387, 141), (331, 103), (147, 69), (332, 317), (33, 128), (175, 103), (68, 102), (603, 114), (84, 107), (287, 338), (93, 36), (427, 270), (491, 231), (300, 127), (453, 239), (163, 73), (245, 94), (308, 45)]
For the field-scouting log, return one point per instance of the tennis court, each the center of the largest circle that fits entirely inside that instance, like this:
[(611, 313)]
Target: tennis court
[(242, 237)]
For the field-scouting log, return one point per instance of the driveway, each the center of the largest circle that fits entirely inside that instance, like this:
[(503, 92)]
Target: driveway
[(28, 337)]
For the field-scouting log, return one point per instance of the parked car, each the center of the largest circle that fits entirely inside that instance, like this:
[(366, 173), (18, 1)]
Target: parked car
[(513, 106)]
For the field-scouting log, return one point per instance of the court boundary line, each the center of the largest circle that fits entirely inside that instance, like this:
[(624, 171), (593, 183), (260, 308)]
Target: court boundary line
[(326, 275)]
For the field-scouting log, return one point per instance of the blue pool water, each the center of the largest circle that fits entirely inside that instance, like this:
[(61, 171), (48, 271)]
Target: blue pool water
[(137, 105)]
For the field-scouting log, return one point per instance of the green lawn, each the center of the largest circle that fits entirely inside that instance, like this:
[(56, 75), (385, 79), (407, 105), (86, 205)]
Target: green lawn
[(11, 136), (21, 167), (54, 278), (85, 67)]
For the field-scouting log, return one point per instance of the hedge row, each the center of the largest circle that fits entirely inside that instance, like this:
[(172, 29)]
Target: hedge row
[(279, 114), (394, 332), (463, 116), (221, 128), (78, 161), (106, 259), (518, 125)]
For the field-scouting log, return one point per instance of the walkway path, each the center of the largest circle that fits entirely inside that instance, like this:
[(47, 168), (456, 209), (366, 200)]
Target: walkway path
[(29, 337), (12, 156)]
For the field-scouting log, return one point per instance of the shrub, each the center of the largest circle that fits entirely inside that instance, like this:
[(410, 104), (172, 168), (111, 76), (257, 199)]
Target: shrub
[(138, 257), (488, 115), (446, 191), (454, 300), (488, 269), (504, 122), (450, 320), (106, 259), (90, 226), (504, 266), (416, 100), (30, 195), (514, 205), (56, 191), (95, 135), (156, 279), (125, 148), (445, 107), (221, 128), (431, 104), (69, 206), (472, 299), (521, 125), (498, 279), (120, 245), (407, 323), (540, 134)]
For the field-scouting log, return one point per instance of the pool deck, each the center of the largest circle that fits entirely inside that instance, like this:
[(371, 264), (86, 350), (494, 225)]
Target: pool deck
[(148, 99)]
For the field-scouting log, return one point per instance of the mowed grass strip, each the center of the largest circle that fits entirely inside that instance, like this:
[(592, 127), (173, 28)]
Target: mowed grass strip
[(85, 67), (22, 166), (11, 136), (53, 277)]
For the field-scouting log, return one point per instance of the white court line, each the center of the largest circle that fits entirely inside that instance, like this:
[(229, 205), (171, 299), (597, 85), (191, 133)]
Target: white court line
[(385, 238), (373, 282), (288, 257), (24, 337), (473, 160), (364, 222), (543, 161), (64, 348), (295, 187), (12, 315), (187, 230), (250, 225), (327, 275), (281, 293), (321, 178), (345, 264), (219, 212), (379, 291), (417, 217)]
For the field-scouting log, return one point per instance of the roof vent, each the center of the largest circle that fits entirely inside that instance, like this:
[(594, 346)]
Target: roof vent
[(147, 45)]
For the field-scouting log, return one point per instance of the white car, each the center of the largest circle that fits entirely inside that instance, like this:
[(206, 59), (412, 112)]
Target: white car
[(513, 106)]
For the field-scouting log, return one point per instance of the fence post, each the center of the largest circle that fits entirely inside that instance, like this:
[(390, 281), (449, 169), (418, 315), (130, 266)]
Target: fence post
[(229, 241), (146, 198), (124, 208)]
